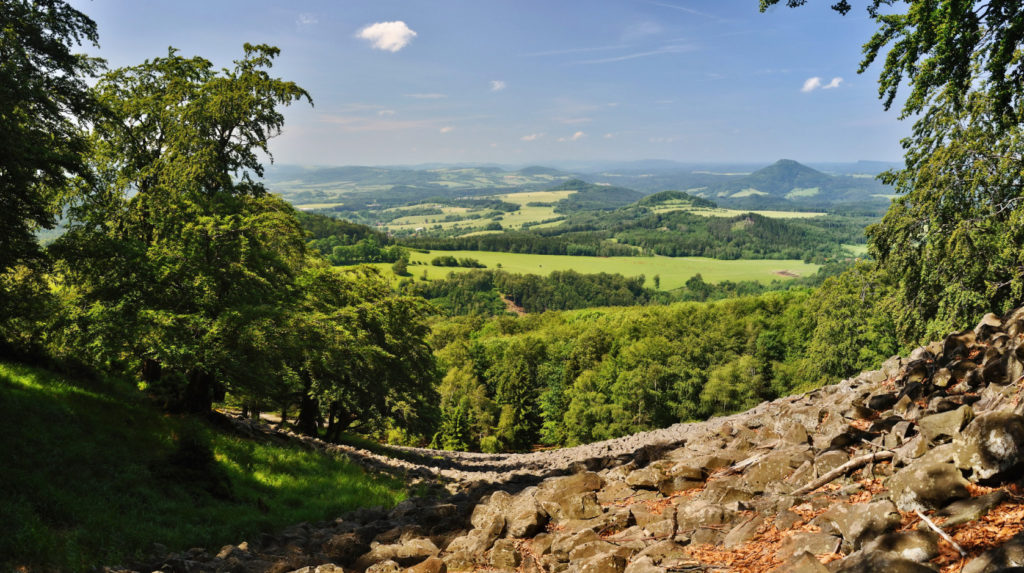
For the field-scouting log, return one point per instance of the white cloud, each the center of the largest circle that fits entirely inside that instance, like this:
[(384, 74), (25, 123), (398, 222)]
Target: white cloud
[(532, 137), (670, 49), (306, 19), (426, 96), (386, 112), (574, 137), (609, 135), (497, 85), (387, 36), (447, 129), (662, 139), (811, 84)]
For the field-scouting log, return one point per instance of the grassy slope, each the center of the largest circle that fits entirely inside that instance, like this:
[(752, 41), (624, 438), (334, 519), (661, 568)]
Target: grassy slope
[(87, 478), (674, 271)]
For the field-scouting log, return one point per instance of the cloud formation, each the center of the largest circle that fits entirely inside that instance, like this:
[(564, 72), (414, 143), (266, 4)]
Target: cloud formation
[(532, 137), (306, 19), (497, 85), (811, 84), (386, 112), (669, 49), (447, 129), (574, 137), (387, 36)]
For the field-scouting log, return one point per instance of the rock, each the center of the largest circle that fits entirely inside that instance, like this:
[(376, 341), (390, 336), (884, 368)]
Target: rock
[(590, 549), (882, 402), (325, 568), (571, 497), (743, 532), (919, 546), (665, 550), (861, 522), (565, 542), (524, 516), (505, 555), (646, 478), (970, 509), (697, 513), (407, 553), (863, 562), (345, 547), (774, 468), (604, 563), (814, 543), (383, 567), (643, 565), (924, 485), (804, 563), (1009, 554), (430, 565), (946, 424), (992, 445)]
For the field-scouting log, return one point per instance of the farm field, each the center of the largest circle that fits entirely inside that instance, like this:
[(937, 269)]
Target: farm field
[(674, 271), (719, 212)]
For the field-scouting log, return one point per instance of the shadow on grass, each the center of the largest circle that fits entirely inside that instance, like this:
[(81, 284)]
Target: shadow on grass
[(94, 475)]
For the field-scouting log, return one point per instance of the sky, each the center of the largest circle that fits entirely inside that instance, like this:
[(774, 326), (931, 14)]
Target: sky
[(538, 81)]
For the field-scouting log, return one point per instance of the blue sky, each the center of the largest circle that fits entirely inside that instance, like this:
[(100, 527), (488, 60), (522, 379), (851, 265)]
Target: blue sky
[(536, 81)]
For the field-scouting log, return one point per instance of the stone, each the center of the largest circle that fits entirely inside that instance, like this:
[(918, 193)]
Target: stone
[(604, 563), (804, 563), (1009, 554), (992, 445), (643, 565), (743, 532), (407, 553), (429, 565), (925, 485), (830, 460), (860, 522), (570, 497), (345, 547), (970, 509), (919, 546), (524, 516), (505, 555), (590, 549), (882, 402), (814, 543), (666, 549), (774, 468), (565, 542), (864, 562), (615, 491), (697, 513), (645, 478), (383, 567), (946, 424)]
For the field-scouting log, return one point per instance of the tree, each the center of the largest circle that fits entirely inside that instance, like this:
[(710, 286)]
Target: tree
[(952, 240), (176, 252), (44, 102)]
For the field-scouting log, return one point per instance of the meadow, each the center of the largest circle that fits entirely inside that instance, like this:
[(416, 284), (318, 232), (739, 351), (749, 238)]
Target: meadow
[(674, 271)]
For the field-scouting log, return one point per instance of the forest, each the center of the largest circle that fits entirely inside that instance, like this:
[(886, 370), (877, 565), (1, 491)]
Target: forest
[(179, 270)]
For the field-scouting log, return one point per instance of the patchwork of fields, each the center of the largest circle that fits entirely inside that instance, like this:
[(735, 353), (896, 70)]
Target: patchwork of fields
[(674, 271)]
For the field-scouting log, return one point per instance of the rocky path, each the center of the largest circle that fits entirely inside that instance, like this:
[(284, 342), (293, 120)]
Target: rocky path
[(915, 467)]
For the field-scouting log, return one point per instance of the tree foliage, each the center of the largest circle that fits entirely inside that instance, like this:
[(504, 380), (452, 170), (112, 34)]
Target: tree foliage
[(44, 104)]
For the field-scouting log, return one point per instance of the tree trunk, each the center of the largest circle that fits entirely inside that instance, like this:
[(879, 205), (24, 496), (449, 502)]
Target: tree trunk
[(198, 397), (309, 413), (150, 370)]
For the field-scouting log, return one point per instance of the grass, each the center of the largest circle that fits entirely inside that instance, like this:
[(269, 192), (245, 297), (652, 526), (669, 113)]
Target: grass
[(719, 212), (856, 250), (514, 220), (93, 475), (674, 271)]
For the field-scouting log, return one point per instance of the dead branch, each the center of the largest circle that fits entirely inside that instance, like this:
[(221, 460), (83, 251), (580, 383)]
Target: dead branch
[(843, 469)]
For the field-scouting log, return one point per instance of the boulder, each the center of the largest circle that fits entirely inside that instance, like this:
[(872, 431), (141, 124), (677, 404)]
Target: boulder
[(927, 485), (877, 562), (945, 425), (505, 555), (524, 517), (1009, 554), (571, 497), (643, 565), (604, 563), (919, 546), (814, 543), (860, 522), (970, 509), (992, 445)]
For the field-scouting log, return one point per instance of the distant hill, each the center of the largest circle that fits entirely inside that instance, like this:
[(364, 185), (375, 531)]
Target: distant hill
[(674, 199), (590, 196)]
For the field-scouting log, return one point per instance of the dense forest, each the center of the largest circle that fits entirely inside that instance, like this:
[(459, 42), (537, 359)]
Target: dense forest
[(180, 271)]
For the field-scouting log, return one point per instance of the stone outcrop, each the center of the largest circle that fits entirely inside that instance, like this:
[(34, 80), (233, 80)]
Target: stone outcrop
[(867, 475)]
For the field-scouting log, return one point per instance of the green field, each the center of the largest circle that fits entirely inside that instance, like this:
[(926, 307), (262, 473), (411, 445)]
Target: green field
[(857, 250), (674, 271), (719, 212)]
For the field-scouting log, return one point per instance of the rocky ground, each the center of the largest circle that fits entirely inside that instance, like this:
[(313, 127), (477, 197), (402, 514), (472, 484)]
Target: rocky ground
[(913, 467)]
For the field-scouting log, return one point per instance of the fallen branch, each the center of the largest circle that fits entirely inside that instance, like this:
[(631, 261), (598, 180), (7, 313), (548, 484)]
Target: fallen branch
[(843, 469), (941, 533)]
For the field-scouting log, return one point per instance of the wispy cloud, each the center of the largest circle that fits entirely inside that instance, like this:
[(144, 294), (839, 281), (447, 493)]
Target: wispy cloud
[(574, 120), (357, 124), (811, 84), (532, 137), (497, 85), (386, 112), (662, 139), (687, 10), (641, 30), (609, 135), (306, 19), (577, 50), (387, 36), (446, 129), (426, 96), (574, 137), (670, 49)]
